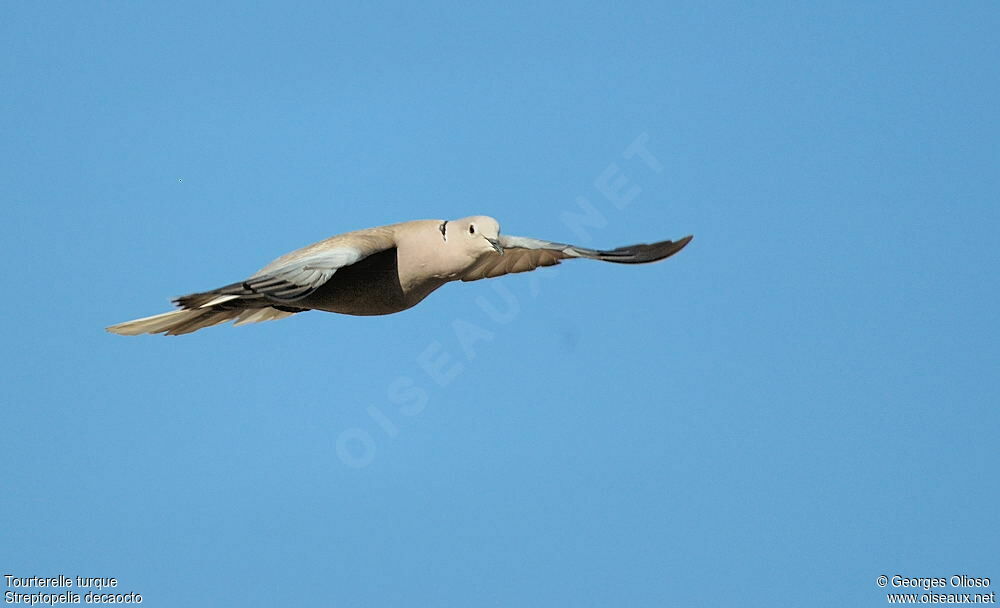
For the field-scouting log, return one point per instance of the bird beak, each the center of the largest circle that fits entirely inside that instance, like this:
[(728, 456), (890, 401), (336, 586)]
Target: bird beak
[(496, 245)]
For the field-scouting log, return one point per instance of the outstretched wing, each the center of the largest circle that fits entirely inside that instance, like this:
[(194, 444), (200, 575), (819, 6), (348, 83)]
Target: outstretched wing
[(297, 279), (271, 293), (521, 254), (294, 276)]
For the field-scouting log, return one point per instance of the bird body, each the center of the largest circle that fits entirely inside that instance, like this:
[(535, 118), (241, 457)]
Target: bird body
[(377, 271)]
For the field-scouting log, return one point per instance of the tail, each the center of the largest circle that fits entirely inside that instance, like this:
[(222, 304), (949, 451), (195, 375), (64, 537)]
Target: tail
[(202, 310)]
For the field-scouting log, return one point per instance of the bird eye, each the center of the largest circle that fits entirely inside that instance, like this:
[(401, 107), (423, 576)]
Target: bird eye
[(472, 228)]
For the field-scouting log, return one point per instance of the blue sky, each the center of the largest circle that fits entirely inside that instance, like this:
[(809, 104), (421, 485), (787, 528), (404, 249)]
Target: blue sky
[(802, 400)]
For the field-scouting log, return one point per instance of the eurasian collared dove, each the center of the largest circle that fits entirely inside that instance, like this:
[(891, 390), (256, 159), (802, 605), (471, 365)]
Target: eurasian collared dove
[(378, 271)]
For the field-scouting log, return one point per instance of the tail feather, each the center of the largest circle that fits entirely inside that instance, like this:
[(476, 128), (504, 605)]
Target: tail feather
[(233, 302), (179, 322), (256, 315), (199, 320)]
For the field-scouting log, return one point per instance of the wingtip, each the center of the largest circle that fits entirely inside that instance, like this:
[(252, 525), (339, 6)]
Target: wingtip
[(679, 244)]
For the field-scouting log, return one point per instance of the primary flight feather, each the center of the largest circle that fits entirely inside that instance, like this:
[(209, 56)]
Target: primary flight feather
[(378, 271)]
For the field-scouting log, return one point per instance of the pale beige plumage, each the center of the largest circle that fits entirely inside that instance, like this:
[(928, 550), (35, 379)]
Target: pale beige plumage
[(378, 271)]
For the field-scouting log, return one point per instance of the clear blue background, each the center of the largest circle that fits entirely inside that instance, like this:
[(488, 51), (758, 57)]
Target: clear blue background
[(802, 400)]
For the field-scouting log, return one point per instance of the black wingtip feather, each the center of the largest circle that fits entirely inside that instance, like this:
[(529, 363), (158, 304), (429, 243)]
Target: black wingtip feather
[(643, 254)]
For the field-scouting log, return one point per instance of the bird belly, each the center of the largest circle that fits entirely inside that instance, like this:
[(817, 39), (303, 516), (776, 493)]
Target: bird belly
[(369, 287), (358, 294)]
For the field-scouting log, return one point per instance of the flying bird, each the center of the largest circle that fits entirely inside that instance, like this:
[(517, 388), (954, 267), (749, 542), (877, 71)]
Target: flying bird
[(378, 271)]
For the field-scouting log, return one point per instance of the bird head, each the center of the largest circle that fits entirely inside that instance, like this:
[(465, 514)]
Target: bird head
[(480, 233)]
